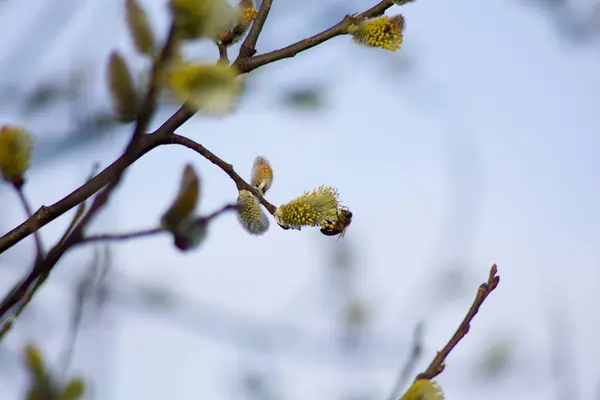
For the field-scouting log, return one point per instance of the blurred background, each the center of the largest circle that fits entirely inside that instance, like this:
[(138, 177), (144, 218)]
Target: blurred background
[(475, 144)]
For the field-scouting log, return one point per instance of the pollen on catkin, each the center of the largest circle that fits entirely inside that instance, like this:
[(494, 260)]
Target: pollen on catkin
[(250, 214), (384, 32), (314, 208), (16, 146), (262, 174), (424, 389)]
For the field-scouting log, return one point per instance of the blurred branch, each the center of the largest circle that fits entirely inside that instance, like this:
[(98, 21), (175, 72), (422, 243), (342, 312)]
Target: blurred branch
[(122, 236), (437, 365), (36, 235), (410, 363), (83, 291)]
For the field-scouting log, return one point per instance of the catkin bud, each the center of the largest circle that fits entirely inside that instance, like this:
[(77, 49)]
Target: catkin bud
[(16, 146), (424, 389), (246, 14), (318, 207), (190, 234), (34, 361), (213, 89), (195, 19), (139, 27), (123, 93), (385, 32), (185, 202), (73, 389), (262, 174), (250, 214)]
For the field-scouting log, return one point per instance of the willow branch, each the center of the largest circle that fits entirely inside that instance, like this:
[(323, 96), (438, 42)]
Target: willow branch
[(122, 236), (240, 183), (245, 65), (28, 210), (437, 365), (248, 47)]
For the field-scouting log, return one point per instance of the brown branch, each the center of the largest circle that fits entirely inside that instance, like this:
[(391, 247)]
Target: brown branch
[(437, 365), (240, 183), (248, 47), (28, 210), (122, 236), (223, 57), (245, 65), (409, 364)]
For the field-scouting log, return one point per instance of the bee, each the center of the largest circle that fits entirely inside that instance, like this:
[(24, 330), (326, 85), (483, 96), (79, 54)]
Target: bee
[(340, 226)]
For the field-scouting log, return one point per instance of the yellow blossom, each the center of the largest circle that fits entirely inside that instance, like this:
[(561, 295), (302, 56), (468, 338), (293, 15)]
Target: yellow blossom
[(211, 88), (315, 208), (16, 146), (250, 214), (384, 32), (424, 389)]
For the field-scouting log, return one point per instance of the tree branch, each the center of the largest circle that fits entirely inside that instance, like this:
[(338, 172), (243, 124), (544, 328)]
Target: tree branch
[(122, 236), (240, 183), (245, 65), (437, 365), (248, 47), (36, 235)]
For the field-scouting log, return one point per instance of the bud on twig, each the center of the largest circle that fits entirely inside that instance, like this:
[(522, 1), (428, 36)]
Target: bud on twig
[(16, 146), (123, 93), (250, 214), (139, 27), (262, 174), (185, 202)]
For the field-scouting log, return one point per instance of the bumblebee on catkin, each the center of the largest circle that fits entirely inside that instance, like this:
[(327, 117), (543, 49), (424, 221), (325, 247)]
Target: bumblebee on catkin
[(250, 214), (246, 14), (16, 146), (424, 389), (315, 208), (262, 174)]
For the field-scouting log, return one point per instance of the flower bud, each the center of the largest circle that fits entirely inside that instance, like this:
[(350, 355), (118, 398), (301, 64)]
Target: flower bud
[(262, 174), (185, 202), (139, 27), (250, 214), (16, 146), (122, 90)]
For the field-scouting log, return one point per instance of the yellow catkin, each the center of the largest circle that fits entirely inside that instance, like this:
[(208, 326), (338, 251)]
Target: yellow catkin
[(384, 32), (250, 214), (16, 146), (315, 208)]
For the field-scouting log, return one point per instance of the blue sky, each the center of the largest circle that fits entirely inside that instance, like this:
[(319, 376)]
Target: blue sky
[(485, 153)]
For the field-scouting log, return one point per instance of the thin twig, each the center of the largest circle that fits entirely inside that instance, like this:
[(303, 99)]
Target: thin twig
[(409, 364), (223, 57), (28, 210), (248, 47), (240, 183), (245, 65), (437, 365), (122, 236)]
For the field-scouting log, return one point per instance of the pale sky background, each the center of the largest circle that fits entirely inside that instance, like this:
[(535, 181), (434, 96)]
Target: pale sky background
[(485, 152)]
